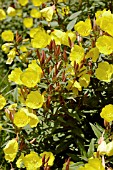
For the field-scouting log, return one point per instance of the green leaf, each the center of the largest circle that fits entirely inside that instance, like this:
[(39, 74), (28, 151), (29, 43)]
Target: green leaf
[(91, 148), (74, 15), (71, 24), (96, 131)]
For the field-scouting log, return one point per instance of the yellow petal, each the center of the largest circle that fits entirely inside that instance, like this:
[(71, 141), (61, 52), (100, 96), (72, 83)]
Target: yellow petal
[(7, 35), (107, 113), (34, 100), (2, 102), (21, 118)]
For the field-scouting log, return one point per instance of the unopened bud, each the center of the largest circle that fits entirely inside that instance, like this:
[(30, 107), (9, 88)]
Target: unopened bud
[(48, 59), (19, 39), (63, 76), (38, 54), (43, 57), (50, 46), (94, 25), (53, 45), (65, 55)]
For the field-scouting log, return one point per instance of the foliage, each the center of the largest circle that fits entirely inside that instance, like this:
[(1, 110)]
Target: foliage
[(57, 64)]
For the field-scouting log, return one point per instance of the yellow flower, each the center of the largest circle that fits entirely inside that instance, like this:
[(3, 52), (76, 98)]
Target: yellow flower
[(93, 164), (15, 76), (11, 150), (21, 118), (23, 48), (23, 2), (84, 80), (48, 156), (41, 39), (33, 31), (64, 165), (6, 47), (2, 102), (7, 35), (93, 53), (105, 44), (47, 13), (65, 37), (65, 10), (35, 13), (83, 28), (38, 2), (77, 85), (32, 75), (61, 37), (74, 86), (32, 161), (12, 106), (70, 85), (2, 15), (107, 113), (28, 22), (30, 78), (104, 19), (33, 120), (11, 11), (77, 54), (35, 67), (11, 55), (34, 100), (19, 12), (57, 36), (109, 149), (104, 71), (19, 162)]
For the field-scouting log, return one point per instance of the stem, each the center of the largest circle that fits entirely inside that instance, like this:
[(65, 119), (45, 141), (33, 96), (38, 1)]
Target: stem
[(103, 161)]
